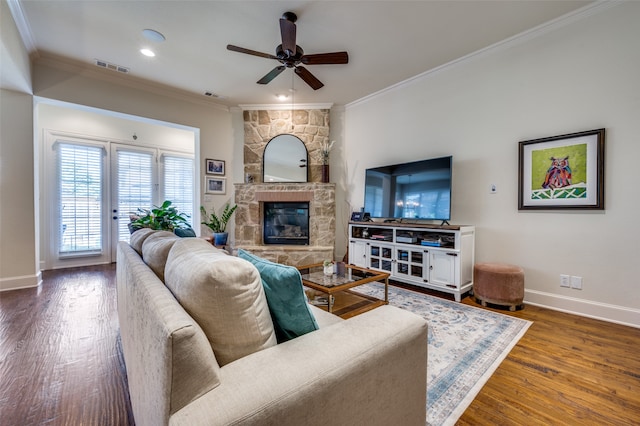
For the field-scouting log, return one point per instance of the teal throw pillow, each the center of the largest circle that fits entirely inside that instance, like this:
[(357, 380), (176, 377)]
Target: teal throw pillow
[(287, 302), (184, 232)]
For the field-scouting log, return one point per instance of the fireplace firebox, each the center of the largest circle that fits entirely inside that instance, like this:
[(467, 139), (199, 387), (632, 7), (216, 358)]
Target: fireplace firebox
[(286, 223)]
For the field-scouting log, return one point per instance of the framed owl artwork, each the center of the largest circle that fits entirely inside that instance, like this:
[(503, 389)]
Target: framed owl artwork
[(562, 172)]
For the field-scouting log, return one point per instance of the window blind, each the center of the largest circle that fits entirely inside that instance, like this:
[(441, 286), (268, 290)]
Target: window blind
[(80, 198), (135, 186), (178, 183)]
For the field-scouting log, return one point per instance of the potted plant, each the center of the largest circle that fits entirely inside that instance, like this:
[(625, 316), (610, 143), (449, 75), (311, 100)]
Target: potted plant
[(327, 267), (218, 224), (165, 217)]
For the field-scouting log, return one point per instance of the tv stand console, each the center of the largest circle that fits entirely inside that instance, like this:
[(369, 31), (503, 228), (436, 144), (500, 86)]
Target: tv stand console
[(437, 257)]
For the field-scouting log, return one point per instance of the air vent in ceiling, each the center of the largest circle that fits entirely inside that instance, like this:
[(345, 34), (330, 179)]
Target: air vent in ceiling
[(213, 95), (112, 67)]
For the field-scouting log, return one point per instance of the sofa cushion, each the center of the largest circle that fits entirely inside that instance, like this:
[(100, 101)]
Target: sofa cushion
[(290, 311), (138, 237), (155, 250), (224, 295)]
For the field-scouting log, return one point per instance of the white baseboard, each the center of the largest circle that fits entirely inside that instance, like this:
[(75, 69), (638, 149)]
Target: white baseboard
[(25, 281), (586, 308)]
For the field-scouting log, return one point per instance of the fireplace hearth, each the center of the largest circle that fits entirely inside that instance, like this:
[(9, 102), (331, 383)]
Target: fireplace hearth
[(286, 223)]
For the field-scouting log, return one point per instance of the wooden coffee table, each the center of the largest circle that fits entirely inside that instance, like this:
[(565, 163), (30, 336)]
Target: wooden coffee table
[(314, 278)]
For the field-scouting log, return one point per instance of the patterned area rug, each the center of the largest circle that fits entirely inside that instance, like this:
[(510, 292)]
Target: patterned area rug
[(466, 345)]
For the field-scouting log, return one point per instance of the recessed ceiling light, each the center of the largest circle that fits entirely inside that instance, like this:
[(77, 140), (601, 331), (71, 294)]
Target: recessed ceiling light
[(147, 52), (282, 97), (153, 35)]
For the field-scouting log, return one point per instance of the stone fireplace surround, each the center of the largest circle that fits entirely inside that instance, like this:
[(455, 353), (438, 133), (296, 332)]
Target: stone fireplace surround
[(312, 127), (250, 198)]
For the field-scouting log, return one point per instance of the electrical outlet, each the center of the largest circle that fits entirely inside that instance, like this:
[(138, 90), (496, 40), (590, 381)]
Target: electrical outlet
[(576, 282), (493, 189), (565, 281)]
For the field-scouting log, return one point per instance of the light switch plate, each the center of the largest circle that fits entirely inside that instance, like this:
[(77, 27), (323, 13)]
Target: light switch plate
[(576, 282)]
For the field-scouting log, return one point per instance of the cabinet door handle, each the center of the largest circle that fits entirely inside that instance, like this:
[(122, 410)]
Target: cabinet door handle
[(452, 254)]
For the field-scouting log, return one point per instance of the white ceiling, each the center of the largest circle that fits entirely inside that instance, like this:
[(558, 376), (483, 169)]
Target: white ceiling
[(387, 41)]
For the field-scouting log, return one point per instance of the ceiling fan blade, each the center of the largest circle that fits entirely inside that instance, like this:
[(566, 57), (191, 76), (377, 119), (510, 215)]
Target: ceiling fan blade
[(271, 75), (309, 78), (288, 33), (249, 52), (326, 58)]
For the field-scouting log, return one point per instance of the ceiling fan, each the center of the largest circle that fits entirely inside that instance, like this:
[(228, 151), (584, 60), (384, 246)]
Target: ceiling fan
[(291, 55)]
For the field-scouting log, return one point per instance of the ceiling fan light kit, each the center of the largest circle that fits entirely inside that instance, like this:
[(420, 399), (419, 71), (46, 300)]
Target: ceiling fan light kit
[(290, 55)]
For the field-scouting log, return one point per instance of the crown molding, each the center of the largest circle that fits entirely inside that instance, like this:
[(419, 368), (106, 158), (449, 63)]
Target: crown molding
[(15, 7), (542, 29), (282, 107), (92, 71)]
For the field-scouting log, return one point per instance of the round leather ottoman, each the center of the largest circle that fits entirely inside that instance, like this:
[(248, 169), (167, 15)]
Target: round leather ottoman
[(499, 284)]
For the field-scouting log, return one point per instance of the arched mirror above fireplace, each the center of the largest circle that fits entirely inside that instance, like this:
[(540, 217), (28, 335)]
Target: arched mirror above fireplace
[(285, 160)]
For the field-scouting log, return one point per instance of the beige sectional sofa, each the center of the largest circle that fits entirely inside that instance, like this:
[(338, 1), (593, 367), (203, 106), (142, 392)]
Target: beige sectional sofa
[(199, 348)]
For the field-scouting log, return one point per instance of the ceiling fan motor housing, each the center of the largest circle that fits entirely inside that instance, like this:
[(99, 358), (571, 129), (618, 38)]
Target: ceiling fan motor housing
[(290, 16), (286, 59)]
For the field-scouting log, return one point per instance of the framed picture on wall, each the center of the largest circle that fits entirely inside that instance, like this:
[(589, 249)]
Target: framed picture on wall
[(214, 167), (562, 172), (215, 185)]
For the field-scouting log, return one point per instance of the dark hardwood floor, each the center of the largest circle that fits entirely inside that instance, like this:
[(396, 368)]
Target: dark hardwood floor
[(60, 358), (61, 364)]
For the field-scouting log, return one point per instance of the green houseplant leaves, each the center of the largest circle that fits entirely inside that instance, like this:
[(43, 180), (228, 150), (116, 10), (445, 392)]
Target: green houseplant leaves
[(165, 217), (218, 223)]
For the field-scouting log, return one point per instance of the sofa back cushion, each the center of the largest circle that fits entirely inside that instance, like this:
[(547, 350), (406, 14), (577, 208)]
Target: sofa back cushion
[(224, 295), (138, 237), (155, 250)]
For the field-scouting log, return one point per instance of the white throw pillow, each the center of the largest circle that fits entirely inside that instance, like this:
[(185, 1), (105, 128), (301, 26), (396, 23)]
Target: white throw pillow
[(224, 295)]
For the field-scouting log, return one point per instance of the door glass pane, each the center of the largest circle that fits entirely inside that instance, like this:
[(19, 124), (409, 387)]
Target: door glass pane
[(178, 183), (135, 187), (80, 199)]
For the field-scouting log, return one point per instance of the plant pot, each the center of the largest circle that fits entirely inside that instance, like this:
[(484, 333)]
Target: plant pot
[(220, 238), (328, 270)]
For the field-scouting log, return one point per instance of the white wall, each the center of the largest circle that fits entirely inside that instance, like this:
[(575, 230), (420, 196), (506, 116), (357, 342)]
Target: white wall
[(17, 220), (62, 117), (578, 76)]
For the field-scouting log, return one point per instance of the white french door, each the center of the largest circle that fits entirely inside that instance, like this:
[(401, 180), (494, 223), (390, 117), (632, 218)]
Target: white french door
[(134, 181), (98, 185), (78, 195)]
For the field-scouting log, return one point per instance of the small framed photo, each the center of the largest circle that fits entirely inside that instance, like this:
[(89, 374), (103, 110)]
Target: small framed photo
[(215, 167), (562, 172), (215, 185)]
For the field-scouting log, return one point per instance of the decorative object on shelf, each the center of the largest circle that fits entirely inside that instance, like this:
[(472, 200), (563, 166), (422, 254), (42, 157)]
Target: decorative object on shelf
[(325, 150), (218, 224), (327, 267), (165, 217), (562, 172), (325, 173), (215, 167), (215, 185)]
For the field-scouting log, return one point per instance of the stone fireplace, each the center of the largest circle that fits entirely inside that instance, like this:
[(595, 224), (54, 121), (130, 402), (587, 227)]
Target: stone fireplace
[(312, 127), (249, 229)]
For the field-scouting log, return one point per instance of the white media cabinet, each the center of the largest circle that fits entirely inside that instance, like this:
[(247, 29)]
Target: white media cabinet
[(430, 256)]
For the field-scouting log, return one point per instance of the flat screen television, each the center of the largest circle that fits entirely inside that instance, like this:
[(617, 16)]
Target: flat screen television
[(415, 190)]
